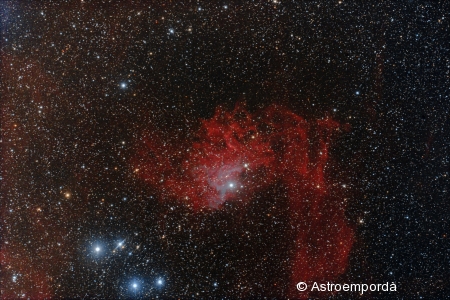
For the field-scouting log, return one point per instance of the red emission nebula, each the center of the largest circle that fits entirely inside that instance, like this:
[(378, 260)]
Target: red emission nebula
[(239, 153)]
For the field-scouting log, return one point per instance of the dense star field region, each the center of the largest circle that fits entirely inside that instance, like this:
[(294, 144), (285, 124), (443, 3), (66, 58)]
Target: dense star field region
[(225, 149)]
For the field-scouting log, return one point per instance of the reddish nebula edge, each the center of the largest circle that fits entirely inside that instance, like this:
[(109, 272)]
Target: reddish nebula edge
[(238, 153)]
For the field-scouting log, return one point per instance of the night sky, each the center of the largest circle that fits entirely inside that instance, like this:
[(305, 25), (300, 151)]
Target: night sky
[(222, 149)]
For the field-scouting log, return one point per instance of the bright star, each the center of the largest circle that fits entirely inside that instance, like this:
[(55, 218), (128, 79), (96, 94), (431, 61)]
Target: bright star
[(120, 244), (123, 85)]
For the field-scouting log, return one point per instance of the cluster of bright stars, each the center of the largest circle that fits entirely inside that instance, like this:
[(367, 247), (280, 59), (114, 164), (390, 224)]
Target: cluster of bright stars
[(135, 284)]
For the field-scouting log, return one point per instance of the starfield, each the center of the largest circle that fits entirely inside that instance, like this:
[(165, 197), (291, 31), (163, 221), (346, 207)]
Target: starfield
[(224, 150)]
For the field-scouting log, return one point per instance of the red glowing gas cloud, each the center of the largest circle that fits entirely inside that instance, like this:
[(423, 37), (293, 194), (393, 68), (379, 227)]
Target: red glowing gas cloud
[(238, 153)]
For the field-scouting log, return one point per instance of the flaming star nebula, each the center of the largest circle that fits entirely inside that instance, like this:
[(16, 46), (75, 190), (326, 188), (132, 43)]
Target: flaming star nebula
[(238, 154), (223, 150)]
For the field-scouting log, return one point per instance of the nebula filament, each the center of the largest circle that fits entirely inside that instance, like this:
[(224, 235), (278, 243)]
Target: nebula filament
[(238, 153)]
